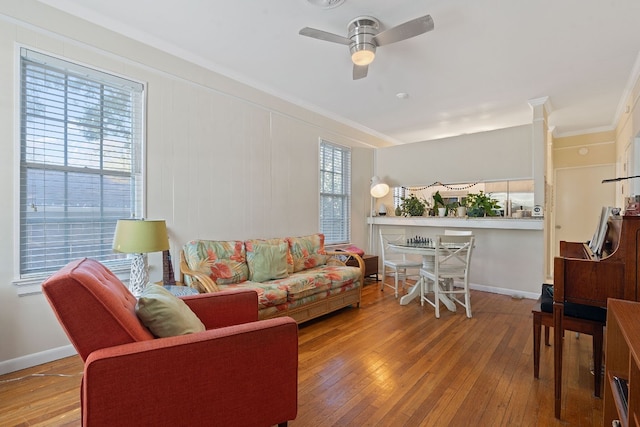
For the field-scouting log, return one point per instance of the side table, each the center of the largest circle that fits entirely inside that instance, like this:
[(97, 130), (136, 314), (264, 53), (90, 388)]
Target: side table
[(370, 265)]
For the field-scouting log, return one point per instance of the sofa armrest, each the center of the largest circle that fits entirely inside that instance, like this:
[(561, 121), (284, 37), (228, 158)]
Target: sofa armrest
[(203, 283), (239, 375), (341, 258), (224, 308)]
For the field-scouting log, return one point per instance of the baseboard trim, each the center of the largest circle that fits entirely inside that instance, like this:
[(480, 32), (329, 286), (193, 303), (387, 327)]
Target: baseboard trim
[(504, 291), (36, 359)]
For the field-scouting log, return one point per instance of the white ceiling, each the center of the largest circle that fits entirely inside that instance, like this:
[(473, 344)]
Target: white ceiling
[(476, 71)]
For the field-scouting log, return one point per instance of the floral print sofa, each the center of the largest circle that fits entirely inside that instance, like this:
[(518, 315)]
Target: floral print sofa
[(293, 276)]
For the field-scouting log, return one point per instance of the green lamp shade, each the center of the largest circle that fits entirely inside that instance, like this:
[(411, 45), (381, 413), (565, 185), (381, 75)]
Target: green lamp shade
[(139, 236)]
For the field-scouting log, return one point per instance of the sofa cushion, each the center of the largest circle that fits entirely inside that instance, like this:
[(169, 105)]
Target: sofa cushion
[(276, 241), (269, 293), (307, 251), (317, 280), (303, 283), (266, 261), (338, 275), (224, 261), (324, 294), (165, 314)]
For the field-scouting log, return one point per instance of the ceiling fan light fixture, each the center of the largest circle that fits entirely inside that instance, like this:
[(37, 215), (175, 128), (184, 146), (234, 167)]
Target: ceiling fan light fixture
[(326, 4), (363, 57)]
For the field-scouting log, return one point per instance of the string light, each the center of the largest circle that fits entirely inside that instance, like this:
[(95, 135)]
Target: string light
[(438, 183)]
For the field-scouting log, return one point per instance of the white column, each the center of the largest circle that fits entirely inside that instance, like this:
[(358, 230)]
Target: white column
[(541, 108)]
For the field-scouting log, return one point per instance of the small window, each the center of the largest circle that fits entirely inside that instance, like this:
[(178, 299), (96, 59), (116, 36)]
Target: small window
[(80, 161), (399, 193), (335, 193)]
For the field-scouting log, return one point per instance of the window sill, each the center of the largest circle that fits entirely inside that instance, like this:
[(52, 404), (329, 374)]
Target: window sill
[(32, 285)]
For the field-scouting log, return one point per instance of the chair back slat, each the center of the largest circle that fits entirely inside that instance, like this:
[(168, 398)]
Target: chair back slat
[(453, 253)]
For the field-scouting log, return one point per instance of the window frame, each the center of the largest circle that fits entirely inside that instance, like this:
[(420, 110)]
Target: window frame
[(345, 194), (29, 283)]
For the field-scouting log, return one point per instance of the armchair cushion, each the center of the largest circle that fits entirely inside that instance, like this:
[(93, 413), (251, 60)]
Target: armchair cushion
[(165, 314)]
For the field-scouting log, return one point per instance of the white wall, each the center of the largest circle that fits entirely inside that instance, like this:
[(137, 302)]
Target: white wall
[(224, 161), (505, 261), (486, 156)]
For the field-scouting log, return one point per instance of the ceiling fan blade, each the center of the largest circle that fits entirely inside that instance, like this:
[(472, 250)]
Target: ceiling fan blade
[(404, 31), (360, 71), (323, 35)]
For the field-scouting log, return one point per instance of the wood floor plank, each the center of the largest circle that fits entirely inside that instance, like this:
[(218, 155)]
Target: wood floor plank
[(387, 365)]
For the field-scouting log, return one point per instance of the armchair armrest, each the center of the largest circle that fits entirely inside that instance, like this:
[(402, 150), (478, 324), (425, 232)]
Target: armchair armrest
[(238, 375), (224, 308), (202, 281)]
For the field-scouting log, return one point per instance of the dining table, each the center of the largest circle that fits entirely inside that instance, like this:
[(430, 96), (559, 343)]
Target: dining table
[(427, 249)]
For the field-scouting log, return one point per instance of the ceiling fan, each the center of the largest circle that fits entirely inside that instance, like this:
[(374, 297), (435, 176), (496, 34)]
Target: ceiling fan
[(364, 37)]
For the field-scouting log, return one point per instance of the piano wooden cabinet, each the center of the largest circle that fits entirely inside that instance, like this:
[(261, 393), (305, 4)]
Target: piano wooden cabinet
[(581, 277)]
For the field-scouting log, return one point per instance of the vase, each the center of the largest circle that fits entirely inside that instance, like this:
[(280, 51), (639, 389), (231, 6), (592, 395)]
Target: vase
[(461, 211), (442, 211)]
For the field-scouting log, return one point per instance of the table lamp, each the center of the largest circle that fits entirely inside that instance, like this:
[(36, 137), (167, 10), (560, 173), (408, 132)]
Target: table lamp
[(139, 237)]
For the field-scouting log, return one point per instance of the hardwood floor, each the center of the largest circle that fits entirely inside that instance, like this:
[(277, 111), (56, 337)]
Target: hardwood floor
[(387, 365)]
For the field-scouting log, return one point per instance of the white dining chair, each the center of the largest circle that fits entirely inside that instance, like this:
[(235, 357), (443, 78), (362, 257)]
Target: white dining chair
[(399, 265), (452, 262)]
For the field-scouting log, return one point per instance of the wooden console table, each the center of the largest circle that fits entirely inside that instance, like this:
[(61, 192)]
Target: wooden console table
[(622, 357)]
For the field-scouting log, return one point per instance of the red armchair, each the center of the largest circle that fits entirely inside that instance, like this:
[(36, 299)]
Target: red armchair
[(239, 372)]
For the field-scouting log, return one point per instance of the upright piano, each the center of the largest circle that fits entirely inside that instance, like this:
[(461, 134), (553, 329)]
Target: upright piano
[(582, 277)]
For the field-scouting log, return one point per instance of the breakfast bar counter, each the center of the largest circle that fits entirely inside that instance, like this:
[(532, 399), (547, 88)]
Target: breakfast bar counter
[(509, 252), (498, 223)]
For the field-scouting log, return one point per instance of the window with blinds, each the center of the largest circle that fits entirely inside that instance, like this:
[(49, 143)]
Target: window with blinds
[(335, 192), (80, 161), (399, 193)]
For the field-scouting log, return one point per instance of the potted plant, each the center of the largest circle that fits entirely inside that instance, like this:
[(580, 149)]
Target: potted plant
[(461, 209), (443, 208), (438, 204), (413, 206), (480, 204)]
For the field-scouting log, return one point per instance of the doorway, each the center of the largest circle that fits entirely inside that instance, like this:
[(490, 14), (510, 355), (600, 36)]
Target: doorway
[(579, 198)]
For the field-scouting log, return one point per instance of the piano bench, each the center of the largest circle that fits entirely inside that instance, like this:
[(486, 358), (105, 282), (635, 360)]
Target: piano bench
[(580, 311), (583, 326)]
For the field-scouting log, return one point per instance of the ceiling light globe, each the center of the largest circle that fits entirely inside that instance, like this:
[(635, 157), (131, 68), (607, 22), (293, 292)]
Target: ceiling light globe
[(362, 57)]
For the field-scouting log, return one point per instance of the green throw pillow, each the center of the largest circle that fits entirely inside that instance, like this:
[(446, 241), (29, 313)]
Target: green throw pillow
[(267, 261), (165, 314)]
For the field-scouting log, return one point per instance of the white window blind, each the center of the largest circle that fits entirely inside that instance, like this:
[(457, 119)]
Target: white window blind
[(335, 192), (80, 161), (399, 193)]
